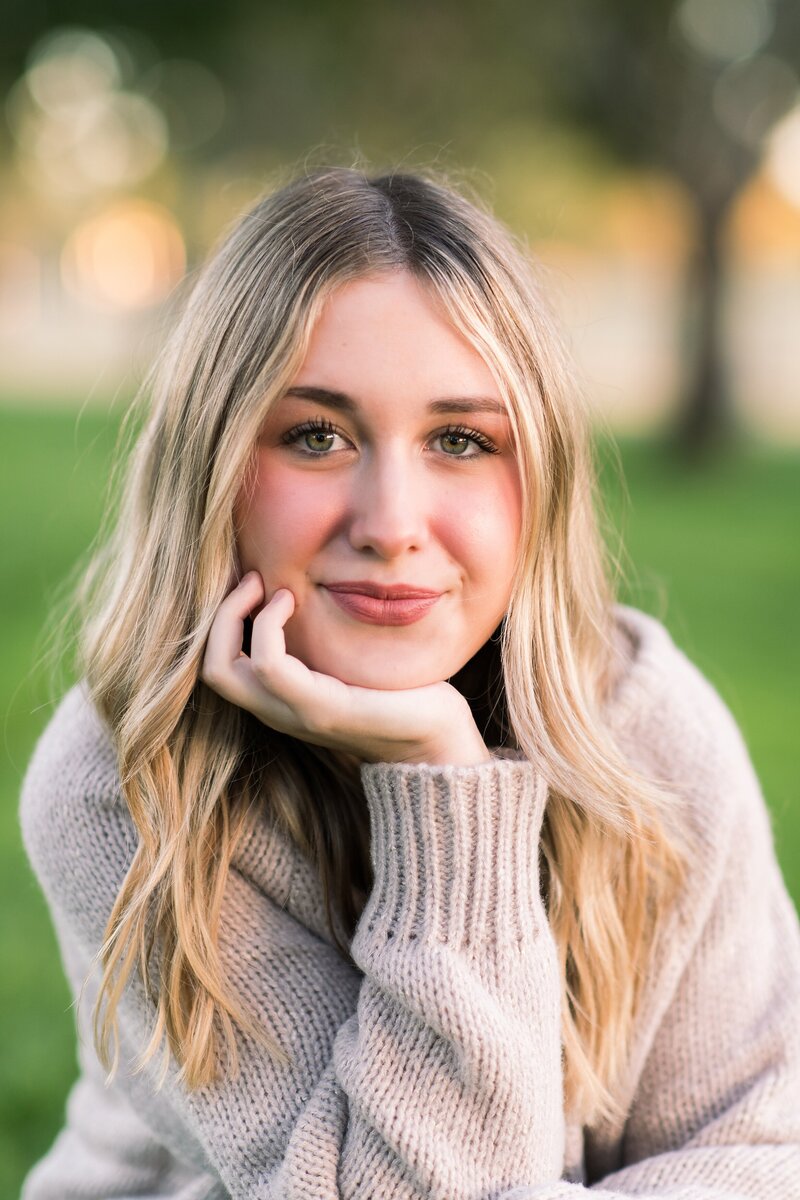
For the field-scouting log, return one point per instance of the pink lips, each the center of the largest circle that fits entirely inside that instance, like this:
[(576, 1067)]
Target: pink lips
[(397, 605)]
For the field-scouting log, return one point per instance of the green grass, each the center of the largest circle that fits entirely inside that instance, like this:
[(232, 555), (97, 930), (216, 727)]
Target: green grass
[(717, 558), (51, 493)]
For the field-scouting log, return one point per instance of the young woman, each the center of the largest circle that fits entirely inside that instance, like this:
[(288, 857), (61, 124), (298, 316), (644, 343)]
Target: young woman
[(388, 854)]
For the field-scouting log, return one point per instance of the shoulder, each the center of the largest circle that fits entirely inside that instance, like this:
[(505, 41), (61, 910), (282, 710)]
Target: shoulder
[(74, 754), (76, 827), (672, 724), (655, 675)]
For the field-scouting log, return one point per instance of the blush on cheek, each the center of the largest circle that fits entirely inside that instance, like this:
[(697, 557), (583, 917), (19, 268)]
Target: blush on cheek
[(286, 523), (474, 529), (294, 526)]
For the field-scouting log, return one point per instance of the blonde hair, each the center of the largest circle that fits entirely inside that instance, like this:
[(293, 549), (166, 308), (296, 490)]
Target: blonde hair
[(196, 771)]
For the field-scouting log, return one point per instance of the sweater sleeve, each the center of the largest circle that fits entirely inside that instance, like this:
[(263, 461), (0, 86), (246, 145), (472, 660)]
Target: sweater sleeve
[(106, 1150), (433, 1070)]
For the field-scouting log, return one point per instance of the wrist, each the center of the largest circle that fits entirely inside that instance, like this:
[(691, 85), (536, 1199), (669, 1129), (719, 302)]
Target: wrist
[(467, 751)]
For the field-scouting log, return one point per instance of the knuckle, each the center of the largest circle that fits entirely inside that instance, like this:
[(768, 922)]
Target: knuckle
[(213, 671), (264, 671), (319, 720), (211, 677)]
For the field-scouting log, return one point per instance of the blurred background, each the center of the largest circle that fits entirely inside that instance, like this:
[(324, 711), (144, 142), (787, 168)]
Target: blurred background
[(648, 154)]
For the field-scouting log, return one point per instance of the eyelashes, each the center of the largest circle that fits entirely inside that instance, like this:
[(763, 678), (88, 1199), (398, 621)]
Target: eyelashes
[(325, 428)]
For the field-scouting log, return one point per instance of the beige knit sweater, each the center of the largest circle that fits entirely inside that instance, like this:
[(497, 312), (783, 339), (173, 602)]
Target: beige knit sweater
[(435, 1070)]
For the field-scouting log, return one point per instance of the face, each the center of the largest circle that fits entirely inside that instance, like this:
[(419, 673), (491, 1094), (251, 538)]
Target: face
[(388, 462)]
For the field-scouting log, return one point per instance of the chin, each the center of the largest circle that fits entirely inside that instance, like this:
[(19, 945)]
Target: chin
[(381, 673), (381, 677)]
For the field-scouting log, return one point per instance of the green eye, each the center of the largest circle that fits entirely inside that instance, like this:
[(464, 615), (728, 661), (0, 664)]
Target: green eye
[(465, 436), (458, 437), (322, 430), (315, 433)]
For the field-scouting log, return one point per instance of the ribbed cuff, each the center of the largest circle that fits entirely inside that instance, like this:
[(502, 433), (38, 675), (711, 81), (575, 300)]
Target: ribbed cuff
[(455, 852)]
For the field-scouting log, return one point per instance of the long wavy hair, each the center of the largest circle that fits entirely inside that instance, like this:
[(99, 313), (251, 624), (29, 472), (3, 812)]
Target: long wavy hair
[(196, 770)]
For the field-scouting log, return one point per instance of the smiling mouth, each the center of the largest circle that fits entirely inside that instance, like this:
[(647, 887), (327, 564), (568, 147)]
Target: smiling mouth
[(374, 610)]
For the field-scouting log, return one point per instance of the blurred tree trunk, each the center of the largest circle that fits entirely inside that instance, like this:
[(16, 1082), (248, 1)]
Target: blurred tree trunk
[(705, 421), (652, 97)]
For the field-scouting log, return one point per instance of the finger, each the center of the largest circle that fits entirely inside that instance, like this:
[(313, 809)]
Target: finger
[(243, 687), (230, 673), (267, 639), (278, 671), (224, 644)]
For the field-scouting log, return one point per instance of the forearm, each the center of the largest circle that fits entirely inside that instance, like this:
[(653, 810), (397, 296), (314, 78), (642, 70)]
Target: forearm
[(453, 1070), (470, 750)]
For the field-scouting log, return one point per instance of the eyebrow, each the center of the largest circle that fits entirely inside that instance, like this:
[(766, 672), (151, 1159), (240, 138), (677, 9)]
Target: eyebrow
[(345, 403)]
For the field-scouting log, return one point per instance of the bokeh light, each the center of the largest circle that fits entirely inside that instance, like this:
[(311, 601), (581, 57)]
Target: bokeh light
[(129, 256), (69, 68), (726, 29), (783, 156), (77, 130), (750, 96)]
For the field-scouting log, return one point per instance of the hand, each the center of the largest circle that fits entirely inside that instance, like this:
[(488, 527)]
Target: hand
[(431, 724)]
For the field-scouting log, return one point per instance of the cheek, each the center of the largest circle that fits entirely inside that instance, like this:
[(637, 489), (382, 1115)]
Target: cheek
[(284, 523), (482, 528)]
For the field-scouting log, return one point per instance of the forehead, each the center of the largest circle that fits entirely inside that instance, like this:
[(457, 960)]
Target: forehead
[(387, 329)]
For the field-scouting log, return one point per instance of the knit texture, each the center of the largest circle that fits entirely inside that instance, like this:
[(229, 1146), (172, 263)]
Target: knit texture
[(434, 1069)]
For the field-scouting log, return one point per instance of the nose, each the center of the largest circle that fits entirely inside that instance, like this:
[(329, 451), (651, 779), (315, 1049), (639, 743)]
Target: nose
[(389, 508)]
